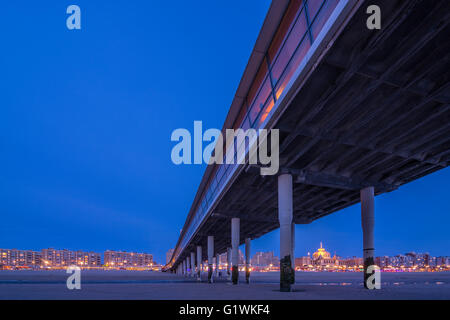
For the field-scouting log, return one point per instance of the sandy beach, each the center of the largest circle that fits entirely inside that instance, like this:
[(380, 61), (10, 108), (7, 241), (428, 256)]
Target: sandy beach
[(157, 285)]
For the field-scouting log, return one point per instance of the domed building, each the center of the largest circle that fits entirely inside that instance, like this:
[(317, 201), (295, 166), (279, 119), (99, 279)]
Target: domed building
[(323, 258), (321, 253)]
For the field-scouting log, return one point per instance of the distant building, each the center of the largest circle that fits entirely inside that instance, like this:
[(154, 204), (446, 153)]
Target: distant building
[(351, 262), (223, 259), (20, 258), (422, 259), (264, 259), (443, 261), (410, 259), (303, 262), (127, 259), (169, 255), (323, 258), (241, 258), (432, 262), (383, 262), (400, 260), (63, 258)]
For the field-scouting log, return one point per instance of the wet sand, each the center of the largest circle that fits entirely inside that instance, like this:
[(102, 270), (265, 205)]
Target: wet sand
[(157, 285)]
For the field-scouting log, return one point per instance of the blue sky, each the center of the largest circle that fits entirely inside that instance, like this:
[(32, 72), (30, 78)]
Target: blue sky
[(87, 117)]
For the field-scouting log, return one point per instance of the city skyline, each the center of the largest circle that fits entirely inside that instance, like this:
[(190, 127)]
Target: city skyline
[(62, 258), (107, 256)]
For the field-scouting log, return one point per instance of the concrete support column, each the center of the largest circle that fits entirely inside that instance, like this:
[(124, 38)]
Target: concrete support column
[(210, 258), (205, 266), (235, 223), (199, 262), (368, 223), (184, 267), (217, 264), (285, 209), (192, 264), (247, 260), (188, 266), (229, 262)]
